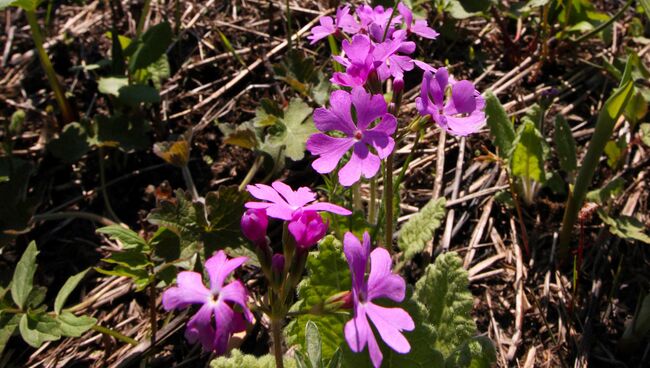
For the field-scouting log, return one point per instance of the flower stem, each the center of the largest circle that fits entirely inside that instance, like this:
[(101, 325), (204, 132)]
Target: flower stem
[(102, 179), (356, 197), (152, 312), (143, 17), (276, 333), (115, 334), (251, 173), (59, 94), (189, 183), (388, 201), (372, 206)]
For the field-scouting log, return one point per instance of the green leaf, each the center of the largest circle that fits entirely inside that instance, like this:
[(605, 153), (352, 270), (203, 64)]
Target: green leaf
[(8, 325), (128, 132), (443, 289), (133, 259), (73, 326), (604, 194), (224, 209), (71, 144), (613, 151), (128, 238), (528, 155), (239, 360), (153, 45), (23, 280), (136, 94), (17, 122), (27, 5), (636, 108), (36, 297), (646, 7), (626, 227), (67, 289), (166, 244), (140, 277), (314, 345), (112, 85), (419, 229), (644, 131), (295, 130), (500, 126), (39, 328), (565, 145), (328, 274), (477, 352), (242, 135)]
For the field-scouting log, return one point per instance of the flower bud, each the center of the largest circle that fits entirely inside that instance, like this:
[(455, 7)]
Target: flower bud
[(277, 270), (398, 92), (253, 225), (307, 228)]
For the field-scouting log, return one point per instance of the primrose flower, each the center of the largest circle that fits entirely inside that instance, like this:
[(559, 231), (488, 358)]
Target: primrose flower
[(381, 283), (358, 62), (463, 111), (390, 63), (282, 202), (420, 27), (307, 227), (254, 223), (216, 320), (374, 20), (359, 136), (328, 26)]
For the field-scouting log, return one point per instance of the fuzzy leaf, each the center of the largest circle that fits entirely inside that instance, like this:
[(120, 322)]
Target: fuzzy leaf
[(626, 227), (419, 229), (529, 155), (500, 126), (477, 352), (128, 238), (328, 274), (443, 289), (66, 290), (8, 325), (314, 345), (23, 280), (239, 360), (295, 128), (73, 326), (565, 145)]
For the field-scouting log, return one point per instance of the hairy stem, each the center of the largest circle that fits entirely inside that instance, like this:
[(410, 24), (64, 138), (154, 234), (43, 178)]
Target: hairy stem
[(115, 334), (189, 182), (276, 333), (102, 179), (372, 206), (251, 173), (59, 94), (388, 201), (356, 197)]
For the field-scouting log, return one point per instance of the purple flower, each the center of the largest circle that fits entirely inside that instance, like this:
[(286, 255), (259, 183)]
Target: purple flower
[(216, 302), (358, 62), (282, 201), (254, 223), (328, 26), (374, 20), (389, 62), (461, 113), (359, 136), (420, 27), (307, 228), (381, 283)]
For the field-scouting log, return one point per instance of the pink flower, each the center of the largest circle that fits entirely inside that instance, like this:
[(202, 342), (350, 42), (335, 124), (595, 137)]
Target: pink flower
[(328, 26), (381, 283), (359, 136), (216, 320), (307, 228), (254, 223), (462, 113), (420, 27), (358, 63), (282, 202)]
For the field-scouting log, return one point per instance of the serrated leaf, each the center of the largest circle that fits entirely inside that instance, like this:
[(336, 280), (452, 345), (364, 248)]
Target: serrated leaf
[(151, 47), (419, 229), (296, 128), (37, 329), (8, 325), (443, 289), (74, 326), (500, 126), (175, 152), (67, 289), (477, 352), (239, 360), (166, 244), (128, 238), (625, 227), (314, 344), (23, 279), (71, 144), (242, 135), (528, 155), (565, 145), (328, 274)]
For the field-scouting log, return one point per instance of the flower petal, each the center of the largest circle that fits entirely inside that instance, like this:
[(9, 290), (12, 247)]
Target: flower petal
[(357, 256), (368, 107), (328, 207), (382, 282), (225, 320), (462, 96), (296, 198), (235, 292), (190, 290), (357, 50), (361, 162), (463, 126), (200, 328), (338, 118), (390, 322), (330, 150), (422, 29), (219, 267), (265, 193)]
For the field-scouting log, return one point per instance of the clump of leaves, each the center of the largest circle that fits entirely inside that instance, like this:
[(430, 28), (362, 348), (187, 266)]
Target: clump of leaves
[(419, 229), (300, 73), (26, 314), (275, 132), (239, 360)]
